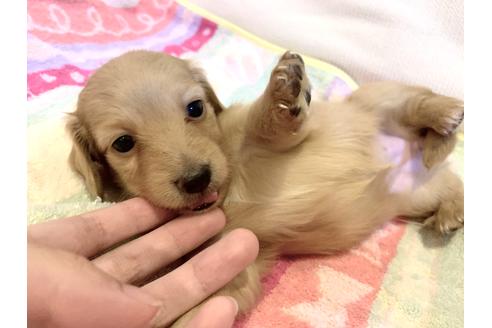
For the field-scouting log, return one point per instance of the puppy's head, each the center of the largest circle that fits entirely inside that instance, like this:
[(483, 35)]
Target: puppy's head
[(147, 123)]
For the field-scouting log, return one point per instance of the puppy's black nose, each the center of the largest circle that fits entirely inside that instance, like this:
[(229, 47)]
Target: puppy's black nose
[(197, 181)]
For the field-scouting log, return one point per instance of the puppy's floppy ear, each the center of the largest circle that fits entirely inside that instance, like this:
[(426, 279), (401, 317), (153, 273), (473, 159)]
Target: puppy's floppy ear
[(84, 157), (199, 76)]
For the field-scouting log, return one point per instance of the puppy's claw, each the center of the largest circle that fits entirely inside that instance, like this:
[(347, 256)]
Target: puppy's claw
[(282, 106), (444, 224), (448, 113), (443, 227)]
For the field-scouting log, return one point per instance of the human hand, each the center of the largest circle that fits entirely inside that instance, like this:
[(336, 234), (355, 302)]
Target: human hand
[(69, 285)]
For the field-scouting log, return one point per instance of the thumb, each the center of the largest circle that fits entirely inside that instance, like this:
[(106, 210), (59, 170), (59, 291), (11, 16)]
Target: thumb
[(66, 290)]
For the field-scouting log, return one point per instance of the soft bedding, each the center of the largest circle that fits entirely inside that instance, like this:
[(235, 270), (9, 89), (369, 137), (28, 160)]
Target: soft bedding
[(402, 276)]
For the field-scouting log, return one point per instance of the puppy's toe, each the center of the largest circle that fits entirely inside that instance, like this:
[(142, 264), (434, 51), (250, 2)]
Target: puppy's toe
[(445, 114), (289, 88), (291, 55), (448, 218)]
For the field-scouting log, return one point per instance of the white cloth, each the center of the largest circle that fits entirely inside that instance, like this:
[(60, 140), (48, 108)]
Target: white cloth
[(417, 42)]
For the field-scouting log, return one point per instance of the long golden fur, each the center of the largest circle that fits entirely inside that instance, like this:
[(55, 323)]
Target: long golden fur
[(305, 177)]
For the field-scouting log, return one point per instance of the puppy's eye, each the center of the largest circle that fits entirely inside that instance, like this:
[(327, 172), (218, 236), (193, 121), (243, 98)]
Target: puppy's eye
[(194, 110), (124, 143)]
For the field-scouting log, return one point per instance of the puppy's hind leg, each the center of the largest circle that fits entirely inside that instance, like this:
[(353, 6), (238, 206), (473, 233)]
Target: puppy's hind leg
[(439, 203), (276, 119), (414, 113), (418, 114)]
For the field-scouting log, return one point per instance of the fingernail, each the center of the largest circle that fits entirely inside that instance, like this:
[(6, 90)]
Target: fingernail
[(236, 306)]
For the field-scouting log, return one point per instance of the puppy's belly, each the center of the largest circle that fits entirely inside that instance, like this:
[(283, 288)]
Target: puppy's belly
[(404, 158)]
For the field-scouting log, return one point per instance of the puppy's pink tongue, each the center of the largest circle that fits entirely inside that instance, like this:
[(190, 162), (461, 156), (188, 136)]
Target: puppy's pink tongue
[(210, 198), (206, 201)]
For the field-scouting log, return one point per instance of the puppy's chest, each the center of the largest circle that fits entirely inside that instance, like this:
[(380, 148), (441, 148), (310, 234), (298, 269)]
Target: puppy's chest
[(258, 179), (246, 190), (404, 158)]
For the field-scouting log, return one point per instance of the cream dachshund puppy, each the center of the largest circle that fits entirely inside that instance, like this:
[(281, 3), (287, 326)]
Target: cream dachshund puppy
[(306, 177)]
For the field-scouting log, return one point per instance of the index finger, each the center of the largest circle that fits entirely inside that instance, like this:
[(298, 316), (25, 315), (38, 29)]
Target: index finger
[(90, 233)]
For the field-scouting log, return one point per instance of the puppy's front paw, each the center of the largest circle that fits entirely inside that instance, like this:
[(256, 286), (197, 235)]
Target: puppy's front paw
[(289, 91)]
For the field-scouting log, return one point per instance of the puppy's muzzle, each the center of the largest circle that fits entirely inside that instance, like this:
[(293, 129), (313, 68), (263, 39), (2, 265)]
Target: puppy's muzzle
[(195, 181)]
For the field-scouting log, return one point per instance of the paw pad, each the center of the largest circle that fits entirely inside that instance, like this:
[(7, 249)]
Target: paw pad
[(288, 81)]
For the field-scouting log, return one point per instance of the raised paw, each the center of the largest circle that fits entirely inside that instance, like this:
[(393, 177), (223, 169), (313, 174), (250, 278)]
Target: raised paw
[(289, 91), (440, 117), (445, 114)]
